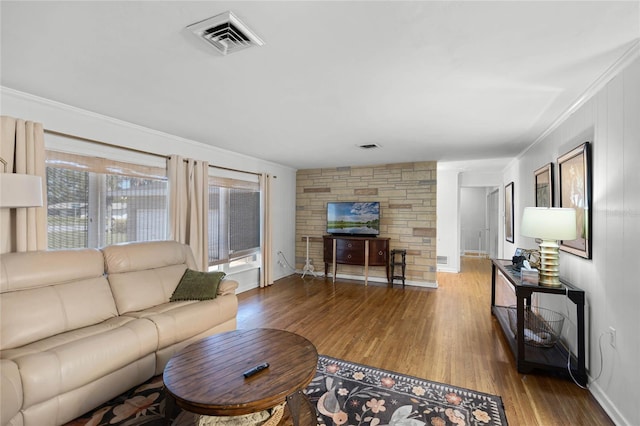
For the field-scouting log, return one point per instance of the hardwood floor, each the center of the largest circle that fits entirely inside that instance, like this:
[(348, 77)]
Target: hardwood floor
[(445, 335)]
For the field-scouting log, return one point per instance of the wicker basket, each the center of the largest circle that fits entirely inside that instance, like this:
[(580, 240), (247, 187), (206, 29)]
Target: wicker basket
[(263, 418), (542, 327)]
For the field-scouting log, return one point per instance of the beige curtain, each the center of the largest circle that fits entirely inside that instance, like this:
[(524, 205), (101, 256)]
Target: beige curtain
[(266, 272), (189, 205), (22, 148)]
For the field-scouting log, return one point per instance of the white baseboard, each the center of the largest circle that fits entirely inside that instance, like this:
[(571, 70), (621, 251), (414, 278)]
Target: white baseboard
[(242, 287), (426, 284), (616, 417)]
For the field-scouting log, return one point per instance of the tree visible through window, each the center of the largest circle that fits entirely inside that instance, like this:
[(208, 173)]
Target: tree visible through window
[(90, 208), (68, 207)]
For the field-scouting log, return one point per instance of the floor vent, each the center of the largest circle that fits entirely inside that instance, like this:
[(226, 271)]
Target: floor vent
[(226, 33), (442, 260)]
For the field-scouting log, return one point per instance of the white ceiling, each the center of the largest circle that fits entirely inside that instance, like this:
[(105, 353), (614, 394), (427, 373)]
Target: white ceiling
[(426, 80)]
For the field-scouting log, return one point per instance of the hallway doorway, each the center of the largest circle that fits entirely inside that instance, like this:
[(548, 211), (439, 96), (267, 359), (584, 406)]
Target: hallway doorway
[(479, 221)]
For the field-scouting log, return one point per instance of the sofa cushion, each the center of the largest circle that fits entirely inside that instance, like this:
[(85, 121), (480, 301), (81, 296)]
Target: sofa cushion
[(139, 256), (10, 391), (70, 360), (139, 290), (178, 321), (44, 293), (227, 287), (196, 285), (143, 275)]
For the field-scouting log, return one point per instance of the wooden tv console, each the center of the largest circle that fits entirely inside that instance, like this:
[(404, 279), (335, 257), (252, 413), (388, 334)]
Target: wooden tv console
[(350, 250)]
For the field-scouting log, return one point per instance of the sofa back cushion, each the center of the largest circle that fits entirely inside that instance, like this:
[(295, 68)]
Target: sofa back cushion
[(145, 274), (44, 293)]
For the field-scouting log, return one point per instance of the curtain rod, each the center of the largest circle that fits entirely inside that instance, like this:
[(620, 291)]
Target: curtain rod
[(139, 151)]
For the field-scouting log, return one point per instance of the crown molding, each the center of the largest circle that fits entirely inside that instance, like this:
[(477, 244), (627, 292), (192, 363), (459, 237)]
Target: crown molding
[(7, 91), (630, 55)]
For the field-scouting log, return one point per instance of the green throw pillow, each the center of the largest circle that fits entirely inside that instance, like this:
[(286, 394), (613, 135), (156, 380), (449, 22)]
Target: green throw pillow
[(196, 285)]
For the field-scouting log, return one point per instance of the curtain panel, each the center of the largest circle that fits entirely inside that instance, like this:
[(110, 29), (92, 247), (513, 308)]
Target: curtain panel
[(188, 205), (266, 271), (22, 148)]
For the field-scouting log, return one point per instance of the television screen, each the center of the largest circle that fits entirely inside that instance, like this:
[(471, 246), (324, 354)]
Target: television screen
[(353, 218)]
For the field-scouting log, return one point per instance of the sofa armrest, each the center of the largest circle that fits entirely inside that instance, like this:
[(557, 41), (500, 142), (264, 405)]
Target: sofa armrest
[(227, 287), (10, 391)]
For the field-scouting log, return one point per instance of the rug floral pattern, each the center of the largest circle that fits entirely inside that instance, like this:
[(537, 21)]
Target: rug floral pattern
[(351, 394), (343, 393)]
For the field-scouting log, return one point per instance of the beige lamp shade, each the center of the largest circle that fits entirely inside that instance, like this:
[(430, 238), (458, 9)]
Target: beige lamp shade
[(19, 190), (549, 223)]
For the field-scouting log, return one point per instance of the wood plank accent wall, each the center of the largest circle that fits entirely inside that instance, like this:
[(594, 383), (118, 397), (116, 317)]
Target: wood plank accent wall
[(407, 196)]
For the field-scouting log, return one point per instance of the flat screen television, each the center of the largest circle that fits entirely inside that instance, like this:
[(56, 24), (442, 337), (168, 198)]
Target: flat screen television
[(353, 218)]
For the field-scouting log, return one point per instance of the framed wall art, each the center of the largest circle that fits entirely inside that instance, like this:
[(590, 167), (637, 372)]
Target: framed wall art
[(508, 212), (544, 186), (574, 175)]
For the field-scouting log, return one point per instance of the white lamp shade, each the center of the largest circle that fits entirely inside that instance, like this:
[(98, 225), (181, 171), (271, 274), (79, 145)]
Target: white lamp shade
[(19, 190), (549, 223)]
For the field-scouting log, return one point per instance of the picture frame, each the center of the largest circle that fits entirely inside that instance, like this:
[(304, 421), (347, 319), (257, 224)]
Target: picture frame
[(543, 178), (574, 176), (508, 213)]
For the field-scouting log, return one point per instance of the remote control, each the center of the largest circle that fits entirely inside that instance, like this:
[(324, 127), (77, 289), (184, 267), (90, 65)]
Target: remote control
[(254, 370)]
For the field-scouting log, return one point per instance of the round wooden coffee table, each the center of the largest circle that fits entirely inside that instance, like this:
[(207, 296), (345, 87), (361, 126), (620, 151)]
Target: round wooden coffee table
[(207, 378)]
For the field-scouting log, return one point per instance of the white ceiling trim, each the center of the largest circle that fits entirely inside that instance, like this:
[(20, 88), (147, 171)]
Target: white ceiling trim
[(624, 61)]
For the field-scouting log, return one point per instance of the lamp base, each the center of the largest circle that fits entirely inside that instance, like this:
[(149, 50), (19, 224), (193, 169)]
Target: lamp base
[(549, 264)]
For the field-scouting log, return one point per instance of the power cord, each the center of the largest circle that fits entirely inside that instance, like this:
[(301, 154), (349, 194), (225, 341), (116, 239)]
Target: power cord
[(286, 263), (601, 363), (569, 351), (282, 261)]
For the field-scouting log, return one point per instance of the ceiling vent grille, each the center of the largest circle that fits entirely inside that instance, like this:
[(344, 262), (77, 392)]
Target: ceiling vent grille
[(226, 33), (369, 146)]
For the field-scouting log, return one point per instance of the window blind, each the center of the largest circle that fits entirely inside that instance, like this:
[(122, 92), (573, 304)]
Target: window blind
[(93, 202), (234, 219)]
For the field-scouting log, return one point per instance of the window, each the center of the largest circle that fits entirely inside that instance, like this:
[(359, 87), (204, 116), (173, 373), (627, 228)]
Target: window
[(94, 202), (234, 223)]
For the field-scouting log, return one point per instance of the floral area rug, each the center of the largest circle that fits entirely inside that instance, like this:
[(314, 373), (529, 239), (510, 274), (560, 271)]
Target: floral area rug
[(343, 393)]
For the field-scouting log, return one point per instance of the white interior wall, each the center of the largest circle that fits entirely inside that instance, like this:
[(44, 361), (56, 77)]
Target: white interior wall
[(447, 227), (610, 121), (473, 220), (452, 176), (485, 182), (67, 119)]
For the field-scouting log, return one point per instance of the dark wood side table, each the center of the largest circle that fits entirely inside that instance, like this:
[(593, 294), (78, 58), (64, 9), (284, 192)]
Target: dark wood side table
[(206, 377), (353, 250), (529, 357), (402, 263)]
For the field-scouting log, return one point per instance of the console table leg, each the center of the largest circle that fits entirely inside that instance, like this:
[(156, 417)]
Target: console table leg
[(335, 243), (366, 262)]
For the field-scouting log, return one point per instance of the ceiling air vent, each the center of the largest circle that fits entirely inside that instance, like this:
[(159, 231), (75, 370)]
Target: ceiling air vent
[(226, 33), (369, 146)]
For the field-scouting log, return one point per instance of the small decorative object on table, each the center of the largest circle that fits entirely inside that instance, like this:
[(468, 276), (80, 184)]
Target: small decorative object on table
[(529, 276)]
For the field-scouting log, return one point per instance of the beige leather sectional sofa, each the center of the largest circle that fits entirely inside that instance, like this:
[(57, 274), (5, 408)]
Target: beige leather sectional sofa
[(79, 327)]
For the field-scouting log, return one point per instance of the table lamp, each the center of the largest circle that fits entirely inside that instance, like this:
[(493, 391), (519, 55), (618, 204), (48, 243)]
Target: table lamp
[(18, 190), (550, 224)]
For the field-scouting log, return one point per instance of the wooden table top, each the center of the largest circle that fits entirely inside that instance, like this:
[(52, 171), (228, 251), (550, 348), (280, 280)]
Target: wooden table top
[(206, 376)]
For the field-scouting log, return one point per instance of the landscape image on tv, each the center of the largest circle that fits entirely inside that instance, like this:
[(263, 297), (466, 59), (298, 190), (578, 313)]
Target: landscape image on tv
[(353, 218)]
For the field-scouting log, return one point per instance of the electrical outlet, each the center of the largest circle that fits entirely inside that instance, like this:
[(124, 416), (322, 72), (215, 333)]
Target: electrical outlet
[(612, 337)]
